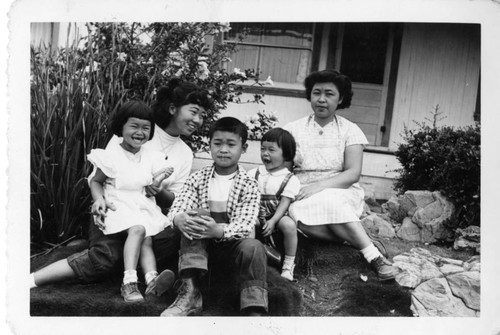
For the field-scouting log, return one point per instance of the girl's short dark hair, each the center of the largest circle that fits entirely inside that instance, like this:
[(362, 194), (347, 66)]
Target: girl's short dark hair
[(229, 124), (134, 108), (342, 82), (178, 93), (284, 140)]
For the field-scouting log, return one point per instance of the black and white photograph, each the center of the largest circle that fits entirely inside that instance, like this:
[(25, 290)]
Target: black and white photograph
[(262, 167)]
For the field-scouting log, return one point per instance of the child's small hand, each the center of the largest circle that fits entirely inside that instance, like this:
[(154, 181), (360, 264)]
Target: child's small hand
[(152, 191), (211, 228), (187, 225), (268, 228), (161, 175)]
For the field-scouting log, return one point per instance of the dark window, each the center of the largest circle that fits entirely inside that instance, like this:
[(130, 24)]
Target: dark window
[(364, 48)]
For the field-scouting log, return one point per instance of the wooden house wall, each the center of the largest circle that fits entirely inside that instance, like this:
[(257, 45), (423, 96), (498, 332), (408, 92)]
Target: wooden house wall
[(439, 65)]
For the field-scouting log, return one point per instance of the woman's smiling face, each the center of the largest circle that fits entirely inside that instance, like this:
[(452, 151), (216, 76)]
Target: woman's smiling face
[(186, 119), (325, 98)]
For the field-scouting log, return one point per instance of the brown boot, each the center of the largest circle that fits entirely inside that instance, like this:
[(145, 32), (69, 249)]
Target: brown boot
[(188, 301)]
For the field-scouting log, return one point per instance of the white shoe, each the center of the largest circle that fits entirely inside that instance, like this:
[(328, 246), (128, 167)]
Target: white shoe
[(287, 273)]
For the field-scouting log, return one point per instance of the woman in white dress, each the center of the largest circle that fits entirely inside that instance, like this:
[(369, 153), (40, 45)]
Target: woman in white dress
[(178, 111), (328, 164)]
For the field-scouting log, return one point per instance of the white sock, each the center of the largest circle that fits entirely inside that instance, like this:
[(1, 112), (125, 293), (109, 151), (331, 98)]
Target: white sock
[(32, 280), (370, 253), (130, 276), (288, 262), (149, 276)]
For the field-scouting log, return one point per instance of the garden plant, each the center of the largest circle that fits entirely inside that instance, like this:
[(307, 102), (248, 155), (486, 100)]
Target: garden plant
[(445, 159), (75, 89)]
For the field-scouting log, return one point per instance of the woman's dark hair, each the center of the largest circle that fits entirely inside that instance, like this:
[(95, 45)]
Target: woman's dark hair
[(178, 93), (231, 125), (284, 140), (342, 82), (134, 108)]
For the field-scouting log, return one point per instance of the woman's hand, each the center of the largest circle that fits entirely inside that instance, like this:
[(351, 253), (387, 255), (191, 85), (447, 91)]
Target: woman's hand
[(307, 191), (268, 228)]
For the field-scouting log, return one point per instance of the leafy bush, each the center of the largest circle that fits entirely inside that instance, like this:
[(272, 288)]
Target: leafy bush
[(444, 159), (76, 88)]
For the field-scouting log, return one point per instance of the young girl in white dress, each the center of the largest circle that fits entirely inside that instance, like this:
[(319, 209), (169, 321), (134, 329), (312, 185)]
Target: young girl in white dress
[(122, 173)]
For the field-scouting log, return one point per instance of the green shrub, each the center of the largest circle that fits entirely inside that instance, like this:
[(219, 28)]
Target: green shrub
[(444, 159), (75, 89)]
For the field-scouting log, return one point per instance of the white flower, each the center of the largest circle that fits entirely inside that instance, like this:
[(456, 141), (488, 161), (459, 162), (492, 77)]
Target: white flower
[(178, 73), (224, 27), (237, 71), (122, 56), (165, 72), (95, 67), (250, 125), (227, 59), (254, 118), (203, 71), (268, 81)]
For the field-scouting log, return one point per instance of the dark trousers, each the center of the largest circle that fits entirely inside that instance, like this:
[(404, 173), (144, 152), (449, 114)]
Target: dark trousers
[(104, 257), (245, 257)]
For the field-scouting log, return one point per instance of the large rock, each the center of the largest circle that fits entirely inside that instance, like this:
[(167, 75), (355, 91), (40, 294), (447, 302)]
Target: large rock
[(409, 231), (432, 218), (415, 267), (442, 286), (466, 285), (377, 226), (468, 238), (428, 211), (435, 298)]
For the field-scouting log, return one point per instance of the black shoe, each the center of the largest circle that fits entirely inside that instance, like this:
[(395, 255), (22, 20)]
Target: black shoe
[(383, 267), (163, 282), (188, 302)]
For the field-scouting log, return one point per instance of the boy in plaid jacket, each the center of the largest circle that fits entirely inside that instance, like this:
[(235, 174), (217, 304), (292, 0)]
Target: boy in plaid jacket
[(218, 206)]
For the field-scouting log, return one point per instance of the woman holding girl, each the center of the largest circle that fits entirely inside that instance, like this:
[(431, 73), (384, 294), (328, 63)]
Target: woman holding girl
[(328, 164), (178, 111)]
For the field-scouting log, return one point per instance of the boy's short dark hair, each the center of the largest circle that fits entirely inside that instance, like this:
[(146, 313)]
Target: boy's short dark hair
[(134, 108), (284, 140), (232, 125)]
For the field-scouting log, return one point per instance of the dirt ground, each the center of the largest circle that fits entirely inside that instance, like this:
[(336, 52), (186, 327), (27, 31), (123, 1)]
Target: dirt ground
[(340, 283), (331, 280)]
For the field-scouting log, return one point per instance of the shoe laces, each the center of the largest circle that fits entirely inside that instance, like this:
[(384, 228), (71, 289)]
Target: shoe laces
[(182, 297), (379, 262), (130, 288)]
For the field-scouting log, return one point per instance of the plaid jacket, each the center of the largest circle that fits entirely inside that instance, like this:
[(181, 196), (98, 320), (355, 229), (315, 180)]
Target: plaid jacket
[(243, 203)]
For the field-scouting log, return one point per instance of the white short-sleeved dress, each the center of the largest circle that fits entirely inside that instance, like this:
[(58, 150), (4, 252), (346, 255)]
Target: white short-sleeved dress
[(320, 155), (128, 174)]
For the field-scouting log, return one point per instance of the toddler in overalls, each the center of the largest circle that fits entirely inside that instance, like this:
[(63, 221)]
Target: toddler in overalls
[(278, 187)]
